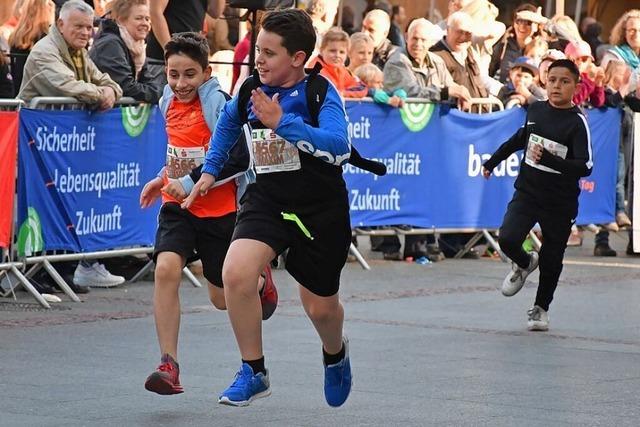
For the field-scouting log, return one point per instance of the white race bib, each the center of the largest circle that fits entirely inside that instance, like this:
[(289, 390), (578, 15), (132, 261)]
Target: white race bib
[(549, 145), (272, 153), (182, 160)]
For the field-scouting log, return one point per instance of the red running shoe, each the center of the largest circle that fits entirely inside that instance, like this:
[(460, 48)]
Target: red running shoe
[(268, 294), (165, 380)]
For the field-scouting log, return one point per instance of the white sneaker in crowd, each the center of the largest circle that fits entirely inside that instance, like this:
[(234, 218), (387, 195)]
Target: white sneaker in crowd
[(538, 319), (517, 276), (95, 276)]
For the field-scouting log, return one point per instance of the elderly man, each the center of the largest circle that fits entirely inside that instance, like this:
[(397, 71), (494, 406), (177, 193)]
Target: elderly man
[(419, 72), (455, 50), (377, 24), (59, 64)]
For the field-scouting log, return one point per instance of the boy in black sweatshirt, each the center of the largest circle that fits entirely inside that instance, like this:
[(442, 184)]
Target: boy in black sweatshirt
[(558, 153)]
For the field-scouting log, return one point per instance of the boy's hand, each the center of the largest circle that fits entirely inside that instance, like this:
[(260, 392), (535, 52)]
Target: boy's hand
[(175, 189), (396, 101), (204, 184), (599, 77), (486, 173), (150, 192), (536, 152), (268, 111)]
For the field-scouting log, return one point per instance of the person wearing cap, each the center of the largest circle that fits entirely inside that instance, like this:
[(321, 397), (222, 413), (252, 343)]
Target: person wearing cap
[(591, 86), (521, 90), (455, 50)]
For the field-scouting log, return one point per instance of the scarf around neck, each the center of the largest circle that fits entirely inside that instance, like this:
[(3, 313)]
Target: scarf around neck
[(628, 55), (137, 48)]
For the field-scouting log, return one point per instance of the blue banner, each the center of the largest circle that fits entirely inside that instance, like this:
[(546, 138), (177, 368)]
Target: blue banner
[(434, 159), (80, 177)]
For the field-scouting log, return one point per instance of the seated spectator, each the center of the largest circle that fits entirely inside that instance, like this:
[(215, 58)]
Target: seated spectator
[(520, 90), (377, 23), (120, 50), (455, 50), (396, 35), (373, 77), (591, 86), (59, 65), (422, 74), (360, 50), (27, 33)]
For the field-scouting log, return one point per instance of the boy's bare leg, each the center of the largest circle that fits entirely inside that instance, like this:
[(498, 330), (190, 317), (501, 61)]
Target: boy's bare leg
[(327, 316), (244, 262), (216, 294), (166, 301)]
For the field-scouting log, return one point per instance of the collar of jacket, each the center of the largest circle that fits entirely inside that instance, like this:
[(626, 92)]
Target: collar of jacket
[(428, 63), (61, 44)]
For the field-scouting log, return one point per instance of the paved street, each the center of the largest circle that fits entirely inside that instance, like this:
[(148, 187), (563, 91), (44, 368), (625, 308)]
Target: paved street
[(431, 345)]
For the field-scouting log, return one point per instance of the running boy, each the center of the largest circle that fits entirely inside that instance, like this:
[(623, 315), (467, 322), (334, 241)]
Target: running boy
[(558, 153), (299, 201), (191, 103)]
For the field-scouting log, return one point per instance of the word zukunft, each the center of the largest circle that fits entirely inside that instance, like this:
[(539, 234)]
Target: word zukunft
[(125, 175)]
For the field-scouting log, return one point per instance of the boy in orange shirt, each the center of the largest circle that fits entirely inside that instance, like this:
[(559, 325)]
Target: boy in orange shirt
[(190, 103)]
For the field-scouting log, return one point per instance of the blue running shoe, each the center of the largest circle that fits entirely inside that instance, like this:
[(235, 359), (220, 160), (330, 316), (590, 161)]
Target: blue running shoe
[(246, 387), (337, 379)]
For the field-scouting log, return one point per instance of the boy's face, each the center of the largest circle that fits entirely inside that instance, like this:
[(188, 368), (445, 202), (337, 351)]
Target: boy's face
[(376, 82), (334, 53), (185, 76), (583, 63), (561, 86), (520, 76), (274, 63), (359, 54)]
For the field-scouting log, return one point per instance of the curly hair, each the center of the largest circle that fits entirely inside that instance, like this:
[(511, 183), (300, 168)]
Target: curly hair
[(618, 32)]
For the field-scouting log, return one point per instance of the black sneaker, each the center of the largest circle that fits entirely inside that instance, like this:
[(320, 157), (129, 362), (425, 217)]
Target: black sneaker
[(604, 250)]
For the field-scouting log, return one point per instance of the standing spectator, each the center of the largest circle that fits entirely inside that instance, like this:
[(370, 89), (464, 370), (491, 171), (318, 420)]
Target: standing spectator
[(59, 65), (561, 30), (452, 7), (360, 50), (591, 86), (513, 43), (625, 38), (348, 20), (396, 35), (27, 33), (323, 14), (377, 23), (6, 79), (120, 50), (590, 30), (175, 16), (241, 51)]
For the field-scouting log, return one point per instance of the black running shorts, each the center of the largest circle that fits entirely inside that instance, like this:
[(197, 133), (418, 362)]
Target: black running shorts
[(314, 260), (182, 232)]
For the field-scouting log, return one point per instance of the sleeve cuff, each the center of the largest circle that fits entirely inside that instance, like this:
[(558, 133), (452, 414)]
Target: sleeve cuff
[(187, 183), (210, 170)]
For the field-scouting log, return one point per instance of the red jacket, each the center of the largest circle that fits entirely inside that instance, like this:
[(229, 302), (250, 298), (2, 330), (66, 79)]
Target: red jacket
[(347, 84), (588, 91)]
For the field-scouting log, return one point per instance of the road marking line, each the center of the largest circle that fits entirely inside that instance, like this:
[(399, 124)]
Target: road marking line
[(603, 264)]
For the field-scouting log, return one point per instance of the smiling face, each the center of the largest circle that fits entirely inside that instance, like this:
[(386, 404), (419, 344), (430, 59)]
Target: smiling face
[(185, 76), (561, 86), (138, 23), (632, 33), (335, 53), (275, 65), (76, 29)]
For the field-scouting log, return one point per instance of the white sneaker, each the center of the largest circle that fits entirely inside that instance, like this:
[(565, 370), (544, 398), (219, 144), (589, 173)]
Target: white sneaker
[(538, 319), (95, 276), (517, 276)]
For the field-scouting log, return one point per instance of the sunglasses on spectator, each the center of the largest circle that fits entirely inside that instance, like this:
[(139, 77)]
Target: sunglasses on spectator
[(524, 22)]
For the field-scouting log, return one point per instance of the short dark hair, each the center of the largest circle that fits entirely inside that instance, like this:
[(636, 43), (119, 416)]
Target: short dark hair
[(191, 44), (569, 65), (295, 27)]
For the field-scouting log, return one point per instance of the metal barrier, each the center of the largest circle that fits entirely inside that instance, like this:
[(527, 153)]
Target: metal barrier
[(480, 102)]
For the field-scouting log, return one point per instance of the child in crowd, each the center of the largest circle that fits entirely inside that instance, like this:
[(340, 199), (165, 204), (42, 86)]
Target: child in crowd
[(360, 50), (558, 153), (373, 77), (536, 49), (520, 89), (591, 87), (190, 103), (298, 202)]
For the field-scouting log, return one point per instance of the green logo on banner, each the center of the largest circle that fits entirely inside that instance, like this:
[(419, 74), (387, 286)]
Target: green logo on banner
[(135, 118), (30, 235), (416, 116)]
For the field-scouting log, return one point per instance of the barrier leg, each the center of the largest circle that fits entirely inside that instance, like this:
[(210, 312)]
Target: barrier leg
[(193, 279), (356, 253), (60, 281), (29, 287), (492, 242), (468, 246), (142, 272)]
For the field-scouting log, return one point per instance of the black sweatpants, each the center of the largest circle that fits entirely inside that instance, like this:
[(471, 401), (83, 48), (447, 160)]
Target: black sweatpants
[(522, 214)]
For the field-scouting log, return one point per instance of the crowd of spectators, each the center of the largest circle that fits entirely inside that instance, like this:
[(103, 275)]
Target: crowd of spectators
[(115, 49)]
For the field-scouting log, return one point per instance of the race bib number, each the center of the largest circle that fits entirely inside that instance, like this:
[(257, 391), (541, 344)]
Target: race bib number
[(182, 160), (272, 153), (549, 145)]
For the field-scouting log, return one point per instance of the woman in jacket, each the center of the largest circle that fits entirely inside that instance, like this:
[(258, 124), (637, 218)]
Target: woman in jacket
[(120, 50)]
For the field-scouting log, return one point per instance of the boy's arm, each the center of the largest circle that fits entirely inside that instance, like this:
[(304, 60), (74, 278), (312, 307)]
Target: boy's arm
[(596, 98), (330, 141), (582, 162), (513, 144), (584, 89), (227, 130)]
